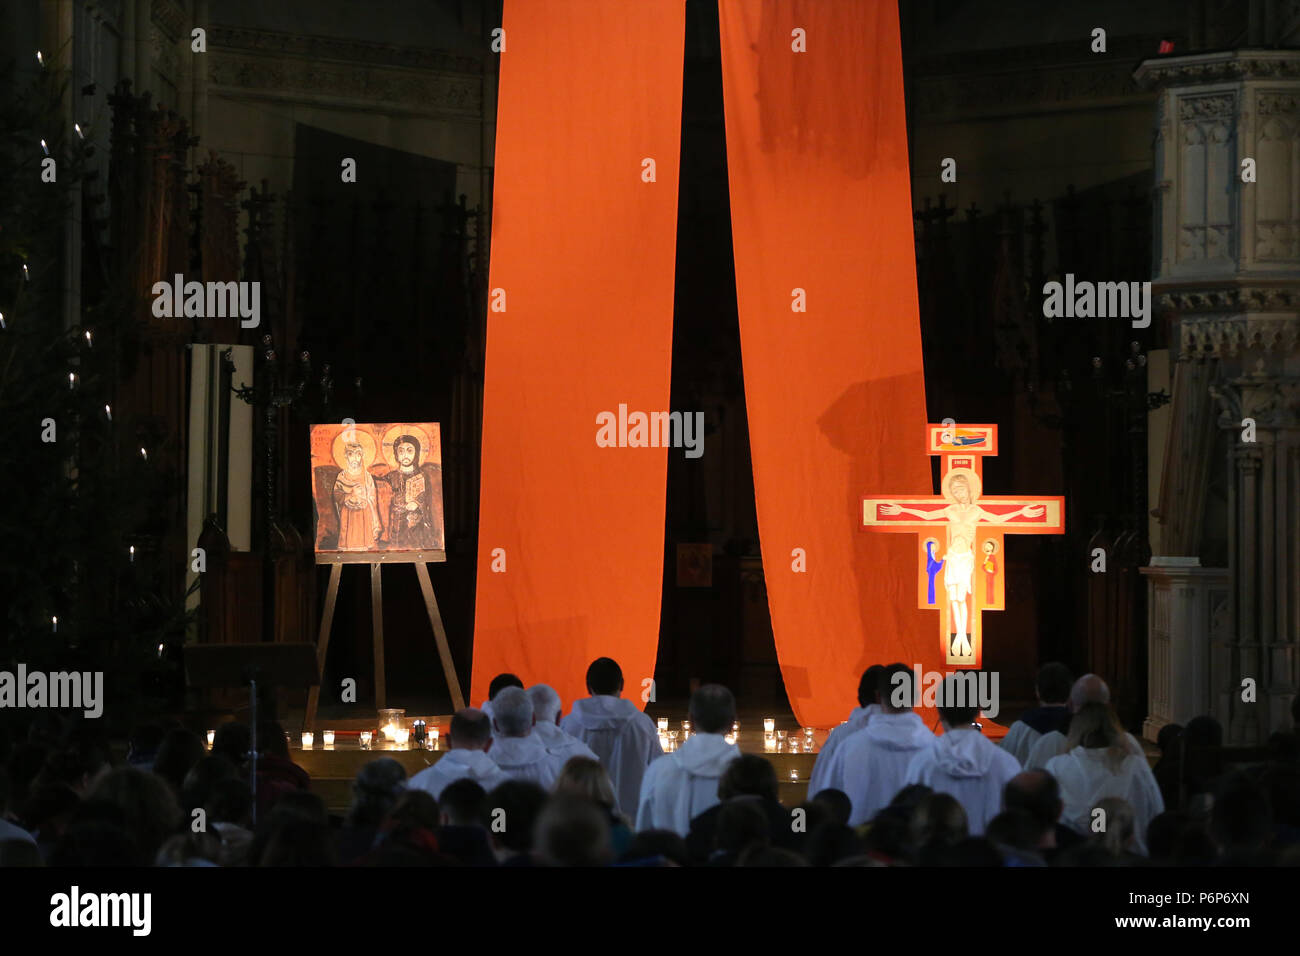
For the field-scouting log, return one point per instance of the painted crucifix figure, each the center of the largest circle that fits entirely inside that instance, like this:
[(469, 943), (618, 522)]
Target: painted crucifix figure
[(973, 525)]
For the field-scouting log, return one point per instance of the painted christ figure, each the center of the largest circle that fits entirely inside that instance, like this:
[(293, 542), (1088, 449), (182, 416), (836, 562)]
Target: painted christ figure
[(961, 516), (356, 502), (415, 509)]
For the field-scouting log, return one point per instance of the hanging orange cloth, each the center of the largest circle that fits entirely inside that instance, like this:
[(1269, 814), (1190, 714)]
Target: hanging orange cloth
[(826, 287), (571, 535)]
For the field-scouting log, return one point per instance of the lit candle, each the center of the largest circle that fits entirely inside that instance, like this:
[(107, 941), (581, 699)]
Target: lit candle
[(55, 620), (731, 739), (212, 736), (109, 412), (769, 743), (794, 776), (433, 738), (735, 727), (307, 739), (663, 725), (132, 550), (769, 725), (400, 736), (366, 737), (327, 738), (686, 726)]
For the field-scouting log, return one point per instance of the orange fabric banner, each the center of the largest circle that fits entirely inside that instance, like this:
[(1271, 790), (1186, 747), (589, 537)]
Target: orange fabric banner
[(826, 286), (571, 535)]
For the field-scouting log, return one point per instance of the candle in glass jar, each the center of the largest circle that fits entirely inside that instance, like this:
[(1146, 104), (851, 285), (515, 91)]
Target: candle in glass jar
[(307, 739), (400, 736), (769, 725), (366, 737), (212, 736), (663, 725), (769, 743), (327, 738)]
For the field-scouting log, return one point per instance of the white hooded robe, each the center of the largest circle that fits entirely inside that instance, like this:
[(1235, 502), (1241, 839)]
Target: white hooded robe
[(876, 758), (684, 783), (969, 767), (623, 739)]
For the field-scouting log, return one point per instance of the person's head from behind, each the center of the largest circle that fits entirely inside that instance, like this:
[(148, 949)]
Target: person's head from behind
[(740, 824), (895, 692), (375, 791), (749, 775), (869, 684), (232, 741), (1242, 817), (303, 843), (463, 803), (958, 706), (1053, 684), (1203, 733), (512, 713), (1168, 737), (272, 739), (572, 831), (203, 777), (148, 805), (501, 682), (586, 778), (230, 802), (604, 678), (938, 819), (470, 729), (1014, 828), (1093, 727), (837, 803), (415, 809), (517, 804), (1088, 689), (713, 709), (1037, 793), (546, 703)]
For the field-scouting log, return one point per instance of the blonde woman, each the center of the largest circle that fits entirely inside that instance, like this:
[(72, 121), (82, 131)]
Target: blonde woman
[(586, 778), (1097, 765)]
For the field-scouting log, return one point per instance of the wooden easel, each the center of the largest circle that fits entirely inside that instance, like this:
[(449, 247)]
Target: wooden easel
[(421, 561)]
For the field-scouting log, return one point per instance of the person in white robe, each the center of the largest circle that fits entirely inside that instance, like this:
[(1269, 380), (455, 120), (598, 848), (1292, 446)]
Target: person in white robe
[(876, 758), (684, 783), (963, 763), (827, 771), (518, 751), (1052, 713), (469, 739), (1087, 689), (546, 711), (623, 738), (1099, 765)]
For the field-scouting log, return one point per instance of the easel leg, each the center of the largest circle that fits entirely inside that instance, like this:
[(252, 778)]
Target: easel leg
[(377, 624), (322, 645), (435, 618)]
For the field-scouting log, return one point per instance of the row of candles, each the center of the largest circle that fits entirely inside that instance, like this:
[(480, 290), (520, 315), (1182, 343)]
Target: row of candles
[(774, 741), (396, 734)]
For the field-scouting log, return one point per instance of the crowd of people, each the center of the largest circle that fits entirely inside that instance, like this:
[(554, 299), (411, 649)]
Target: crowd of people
[(522, 785)]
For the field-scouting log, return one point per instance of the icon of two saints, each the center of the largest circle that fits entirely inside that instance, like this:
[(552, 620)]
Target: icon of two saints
[(412, 519)]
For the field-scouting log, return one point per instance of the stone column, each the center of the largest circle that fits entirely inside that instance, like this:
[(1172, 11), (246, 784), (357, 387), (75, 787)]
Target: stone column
[(1227, 281)]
